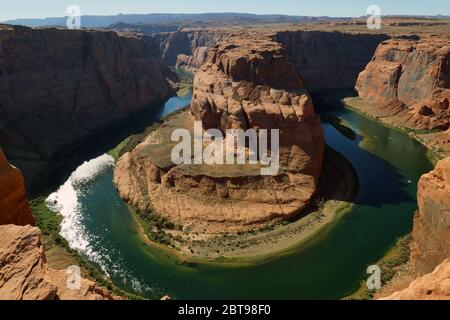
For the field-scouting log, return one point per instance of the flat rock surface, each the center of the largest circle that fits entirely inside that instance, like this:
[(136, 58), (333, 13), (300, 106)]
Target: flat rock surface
[(24, 274)]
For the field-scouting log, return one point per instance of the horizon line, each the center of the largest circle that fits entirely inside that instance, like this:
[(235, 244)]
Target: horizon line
[(230, 12)]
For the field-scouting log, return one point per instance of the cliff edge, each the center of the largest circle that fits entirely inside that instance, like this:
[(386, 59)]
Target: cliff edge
[(58, 87), (409, 79), (247, 83), (14, 208)]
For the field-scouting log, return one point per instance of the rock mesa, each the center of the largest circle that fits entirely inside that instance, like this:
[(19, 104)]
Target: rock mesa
[(246, 83), (431, 234)]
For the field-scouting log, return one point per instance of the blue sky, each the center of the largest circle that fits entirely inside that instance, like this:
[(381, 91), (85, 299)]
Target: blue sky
[(56, 8)]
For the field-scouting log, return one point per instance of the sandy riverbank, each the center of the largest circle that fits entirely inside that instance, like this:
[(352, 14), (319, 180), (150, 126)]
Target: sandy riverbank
[(437, 143), (338, 187)]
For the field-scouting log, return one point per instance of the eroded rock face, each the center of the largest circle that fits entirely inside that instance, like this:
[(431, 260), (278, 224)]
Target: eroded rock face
[(186, 41), (249, 83), (58, 87), (194, 62), (412, 78), (431, 234), (14, 208), (24, 274), (433, 286), (246, 83), (329, 60)]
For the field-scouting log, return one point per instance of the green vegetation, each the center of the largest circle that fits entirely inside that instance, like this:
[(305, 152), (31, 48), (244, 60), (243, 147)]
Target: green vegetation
[(117, 151), (154, 226), (49, 222), (392, 261), (182, 73)]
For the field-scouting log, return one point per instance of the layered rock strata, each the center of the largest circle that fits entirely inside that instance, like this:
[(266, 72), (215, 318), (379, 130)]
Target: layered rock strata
[(58, 87), (246, 83), (14, 208), (194, 62), (186, 41), (410, 79), (431, 234), (433, 286), (24, 274), (329, 60), (430, 247)]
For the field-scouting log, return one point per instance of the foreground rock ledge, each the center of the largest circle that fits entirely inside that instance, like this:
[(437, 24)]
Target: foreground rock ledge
[(24, 274), (433, 286), (14, 208), (247, 83)]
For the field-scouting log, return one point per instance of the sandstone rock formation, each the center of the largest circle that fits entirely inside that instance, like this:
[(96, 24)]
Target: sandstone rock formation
[(410, 78), (247, 83), (186, 41), (14, 208), (24, 274), (431, 234), (58, 87), (194, 62), (329, 60), (433, 286)]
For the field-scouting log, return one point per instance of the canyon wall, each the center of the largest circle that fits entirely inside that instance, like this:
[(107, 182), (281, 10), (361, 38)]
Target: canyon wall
[(411, 79), (329, 60), (247, 82), (58, 87), (185, 41), (24, 274), (430, 247), (431, 234), (14, 208), (194, 62), (433, 286)]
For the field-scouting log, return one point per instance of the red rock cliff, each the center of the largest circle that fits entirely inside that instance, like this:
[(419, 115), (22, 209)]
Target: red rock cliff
[(431, 235), (24, 274), (194, 62), (329, 60), (57, 87), (249, 83), (184, 42), (412, 78), (14, 208), (246, 83)]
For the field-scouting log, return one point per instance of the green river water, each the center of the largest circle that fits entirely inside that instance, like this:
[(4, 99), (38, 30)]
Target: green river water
[(101, 226)]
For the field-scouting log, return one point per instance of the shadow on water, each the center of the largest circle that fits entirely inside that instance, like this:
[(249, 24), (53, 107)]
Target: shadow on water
[(330, 266), (387, 184), (108, 139)]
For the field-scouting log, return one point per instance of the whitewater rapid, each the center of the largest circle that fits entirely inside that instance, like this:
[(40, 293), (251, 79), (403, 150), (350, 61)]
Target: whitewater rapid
[(67, 201)]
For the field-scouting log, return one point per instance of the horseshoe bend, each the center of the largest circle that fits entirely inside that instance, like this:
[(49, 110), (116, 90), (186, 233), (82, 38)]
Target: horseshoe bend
[(242, 86), (245, 151)]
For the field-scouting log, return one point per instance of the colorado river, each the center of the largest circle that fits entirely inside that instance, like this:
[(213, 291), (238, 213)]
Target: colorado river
[(101, 226)]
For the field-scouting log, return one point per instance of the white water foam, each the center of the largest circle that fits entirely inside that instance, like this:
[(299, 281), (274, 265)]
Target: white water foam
[(66, 201)]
